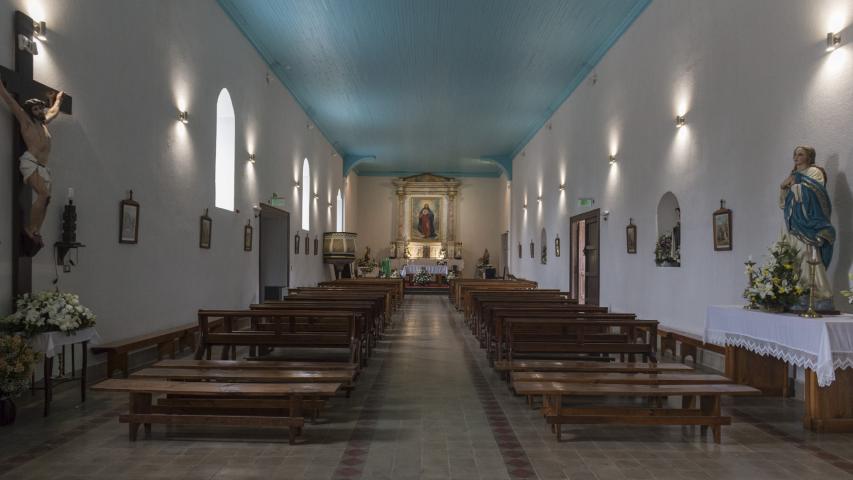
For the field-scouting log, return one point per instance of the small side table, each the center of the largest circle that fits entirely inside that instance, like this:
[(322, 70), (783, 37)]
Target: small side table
[(52, 344)]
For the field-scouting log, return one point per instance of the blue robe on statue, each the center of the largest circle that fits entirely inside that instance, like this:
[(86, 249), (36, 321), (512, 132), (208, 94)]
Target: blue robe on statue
[(807, 211)]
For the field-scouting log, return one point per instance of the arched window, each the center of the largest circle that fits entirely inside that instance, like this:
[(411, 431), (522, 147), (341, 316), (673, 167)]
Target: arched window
[(224, 191), (340, 212), (306, 195)]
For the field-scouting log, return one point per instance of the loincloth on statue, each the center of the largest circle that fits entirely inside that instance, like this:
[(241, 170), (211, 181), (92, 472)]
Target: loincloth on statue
[(29, 165)]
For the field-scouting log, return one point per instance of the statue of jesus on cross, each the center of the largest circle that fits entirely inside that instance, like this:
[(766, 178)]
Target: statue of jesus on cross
[(33, 118)]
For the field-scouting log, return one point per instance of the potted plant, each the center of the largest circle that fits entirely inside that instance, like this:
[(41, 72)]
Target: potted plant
[(664, 254), (16, 362), (48, 312), (774, 287)]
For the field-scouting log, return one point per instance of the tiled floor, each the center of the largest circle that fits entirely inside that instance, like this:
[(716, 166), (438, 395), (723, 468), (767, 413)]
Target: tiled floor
[(427, 406)]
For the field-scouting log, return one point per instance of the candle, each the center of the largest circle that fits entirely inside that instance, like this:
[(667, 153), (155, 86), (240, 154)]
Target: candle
[(70, 193), (749, 258)]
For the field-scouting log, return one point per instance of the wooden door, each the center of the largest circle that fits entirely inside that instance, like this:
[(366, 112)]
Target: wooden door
[(273, 252), (585, 257)]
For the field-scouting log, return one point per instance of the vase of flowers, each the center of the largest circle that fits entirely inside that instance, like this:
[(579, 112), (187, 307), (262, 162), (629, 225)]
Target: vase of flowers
[(48, 312), (775, 285), (16, 362), (849, 293), (422, 277), (664, 254)]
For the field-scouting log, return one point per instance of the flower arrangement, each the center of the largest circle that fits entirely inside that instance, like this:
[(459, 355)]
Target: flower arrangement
[(48, 312), (849, 293), (367, 265), (775, 285), (394, 274), (451, 275), (16, 361), (664, 253), (422, 277)]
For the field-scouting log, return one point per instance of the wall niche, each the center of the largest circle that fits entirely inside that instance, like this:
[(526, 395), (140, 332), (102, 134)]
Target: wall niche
[(668, 244)]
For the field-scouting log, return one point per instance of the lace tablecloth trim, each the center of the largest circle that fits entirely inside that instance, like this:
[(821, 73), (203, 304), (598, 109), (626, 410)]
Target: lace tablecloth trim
[(825, 371)]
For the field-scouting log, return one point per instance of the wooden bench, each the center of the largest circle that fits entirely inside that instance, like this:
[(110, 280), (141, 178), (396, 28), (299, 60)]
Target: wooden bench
[(582, 366), (690, 344), (260, 396), (707, 415), (282, 328), (168, 342), (257, 364)]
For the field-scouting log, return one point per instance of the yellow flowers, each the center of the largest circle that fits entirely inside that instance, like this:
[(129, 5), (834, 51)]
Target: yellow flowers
[(16, 360)]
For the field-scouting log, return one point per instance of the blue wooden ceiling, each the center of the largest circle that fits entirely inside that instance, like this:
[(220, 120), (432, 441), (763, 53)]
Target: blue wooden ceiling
[(446, 86)]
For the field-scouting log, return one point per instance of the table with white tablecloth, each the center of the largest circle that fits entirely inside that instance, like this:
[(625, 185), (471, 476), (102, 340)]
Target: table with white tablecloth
[(52, 344), (757, 340), (431, 269)]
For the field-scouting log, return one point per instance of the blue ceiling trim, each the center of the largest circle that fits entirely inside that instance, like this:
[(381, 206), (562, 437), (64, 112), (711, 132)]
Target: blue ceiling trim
[(588, 66), (350, 161), (408, 173)]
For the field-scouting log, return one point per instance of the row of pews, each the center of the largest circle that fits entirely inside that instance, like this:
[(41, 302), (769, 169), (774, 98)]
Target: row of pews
[(550, 349), (267, 387)]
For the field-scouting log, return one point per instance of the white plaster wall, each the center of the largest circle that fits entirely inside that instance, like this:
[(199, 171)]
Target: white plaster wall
[(129, 66), (754, 81), (480, 219)]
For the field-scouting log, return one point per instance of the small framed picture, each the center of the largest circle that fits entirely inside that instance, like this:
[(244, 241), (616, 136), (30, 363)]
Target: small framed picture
[(247, 237), (532, 249), (128, 215), (519, 249), (205, 230), (722, 224), (307, 245), (631, 236), (296, 243), (316, 245), (557, 246)]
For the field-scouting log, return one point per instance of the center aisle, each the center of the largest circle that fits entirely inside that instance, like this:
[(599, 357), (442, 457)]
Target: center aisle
[(430, 413)]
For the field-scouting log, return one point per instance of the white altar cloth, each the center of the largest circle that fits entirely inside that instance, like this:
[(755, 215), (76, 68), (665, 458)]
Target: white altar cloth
[(49, 343), (431, 269), (821, 344)]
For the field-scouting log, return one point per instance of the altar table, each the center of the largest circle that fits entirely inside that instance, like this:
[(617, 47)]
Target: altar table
[(760, 345), (51, 344), (431, 269)]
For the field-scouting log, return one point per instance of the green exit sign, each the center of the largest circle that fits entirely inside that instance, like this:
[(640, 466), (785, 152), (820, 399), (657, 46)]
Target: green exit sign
[(586, 202), (277, 202)]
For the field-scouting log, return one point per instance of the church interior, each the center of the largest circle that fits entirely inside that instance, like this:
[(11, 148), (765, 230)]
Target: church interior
[(401, 239)]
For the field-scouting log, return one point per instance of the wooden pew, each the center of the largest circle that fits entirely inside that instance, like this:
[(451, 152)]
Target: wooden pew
[(459, 286), (168, 342), (707, 415), (278, 328), (250, 395), (507, 366), (396, 283), (349, 294), (257, 364)]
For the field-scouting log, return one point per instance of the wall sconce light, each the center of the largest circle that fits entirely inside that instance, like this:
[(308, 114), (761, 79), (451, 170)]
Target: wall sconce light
[(257, 209), (833, 40), (562, 187), (316, 196), (40, 30), (252, 157), (524, 206), (539, 199), (680, 120), (330, 204), (612, 158), (184, 117), (309, 126), (297, 186)]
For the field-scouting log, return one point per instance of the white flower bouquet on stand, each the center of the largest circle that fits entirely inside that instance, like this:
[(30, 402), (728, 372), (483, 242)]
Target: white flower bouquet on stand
[(48, 312)]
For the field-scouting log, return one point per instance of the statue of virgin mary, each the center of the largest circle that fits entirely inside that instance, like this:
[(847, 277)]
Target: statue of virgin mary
[(807, 208)]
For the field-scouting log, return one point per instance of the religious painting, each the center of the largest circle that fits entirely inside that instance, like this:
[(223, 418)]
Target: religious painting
[(557, 246), (296, 243), (631, 237), (247, 237), (316, 245), (128, 229), (307, 245), (425, 220), (205, 230), (532, 249), (722, 223), (519, 249)]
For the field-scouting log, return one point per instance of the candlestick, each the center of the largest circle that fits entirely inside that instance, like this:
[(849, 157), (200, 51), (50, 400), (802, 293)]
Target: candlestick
[(750, 276), (70, 193), (813, 261)]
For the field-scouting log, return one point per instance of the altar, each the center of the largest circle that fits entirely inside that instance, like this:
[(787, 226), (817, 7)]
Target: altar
[(760, 346)]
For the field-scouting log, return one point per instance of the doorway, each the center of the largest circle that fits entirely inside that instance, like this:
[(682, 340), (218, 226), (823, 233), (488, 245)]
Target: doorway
[(585, 258), (273, 253)]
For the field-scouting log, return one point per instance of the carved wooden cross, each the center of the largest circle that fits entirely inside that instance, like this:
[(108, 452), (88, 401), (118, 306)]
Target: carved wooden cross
[(20, 84)]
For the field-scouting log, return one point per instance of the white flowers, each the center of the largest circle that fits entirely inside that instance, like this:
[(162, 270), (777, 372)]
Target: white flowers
[(849, 293), (48, 311)]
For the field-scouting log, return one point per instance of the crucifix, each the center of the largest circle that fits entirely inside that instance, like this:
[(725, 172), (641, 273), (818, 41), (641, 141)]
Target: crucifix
[(19, 83)]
